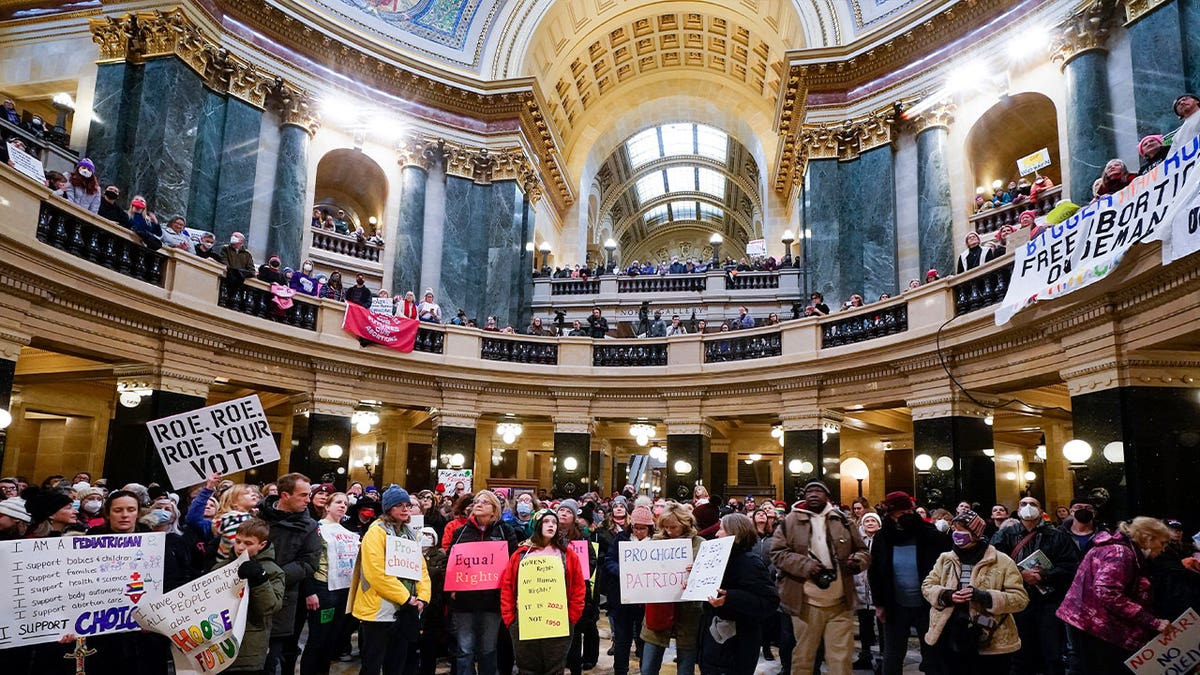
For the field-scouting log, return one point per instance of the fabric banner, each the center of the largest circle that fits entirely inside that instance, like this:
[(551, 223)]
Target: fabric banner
[(1175, 650), (341, 549), (396, 332), (1087, 246), (76, 585), (228, 437), (476, 566), (653, 570), (205, 620), (708, 570), (403, 558), (542, 598)]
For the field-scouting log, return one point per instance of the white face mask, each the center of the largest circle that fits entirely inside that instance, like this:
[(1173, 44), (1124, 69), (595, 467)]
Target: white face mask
[(86, 173), (353, 499), (942, 525), (91, 507), (1029, 512), (308, 268)]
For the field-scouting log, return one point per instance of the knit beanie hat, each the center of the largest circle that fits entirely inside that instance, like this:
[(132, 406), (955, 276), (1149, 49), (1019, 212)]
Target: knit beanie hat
[(569, 504), (641, 516), (873, 516), (394, 495), (14, 507), (619, 499), (1142, 143), (975, 525), (898, 501), (43, 505)]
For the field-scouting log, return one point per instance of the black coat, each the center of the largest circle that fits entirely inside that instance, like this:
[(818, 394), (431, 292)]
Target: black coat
[(597, 326), (930, 544), (750, 597), (497, 530), (359, 295), (1057, 545), (298, 548)]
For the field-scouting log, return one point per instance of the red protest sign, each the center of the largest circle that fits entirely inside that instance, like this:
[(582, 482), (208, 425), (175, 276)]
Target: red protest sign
[(476, 566), (396, 332)]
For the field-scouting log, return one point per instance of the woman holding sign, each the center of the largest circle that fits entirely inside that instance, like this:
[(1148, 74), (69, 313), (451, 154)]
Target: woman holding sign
[(680, 618), (325, 593), (541, 577)]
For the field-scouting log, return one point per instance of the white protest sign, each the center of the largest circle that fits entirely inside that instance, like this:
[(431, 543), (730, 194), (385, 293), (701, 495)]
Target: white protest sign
[(82, 585), (709, 569), (450, 479), (227, 437), (341, 549), (403, 558), (653, 570), (417, 521), (27, 164), (1175, 650), (1088, 246), (1183, 216), (756, 247), (382, 306), (1030, 163), (205, 620)]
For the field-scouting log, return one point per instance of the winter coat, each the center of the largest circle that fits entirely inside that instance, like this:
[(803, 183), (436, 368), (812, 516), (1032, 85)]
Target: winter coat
[(298, 548), (929, 542), (576, 586), (376, 596), (470, 531), (790, 553), (1058, 547), (750, 597), (1111, 597), (611, 567), (862, 586), (996, 574), (687, 620), (265, 601)]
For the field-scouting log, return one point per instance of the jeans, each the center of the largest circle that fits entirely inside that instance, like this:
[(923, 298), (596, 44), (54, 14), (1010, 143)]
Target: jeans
[(1041, 640), (899, 621), (384, 648), (475, 641), (652, 658), (324, 630), (626, 623)]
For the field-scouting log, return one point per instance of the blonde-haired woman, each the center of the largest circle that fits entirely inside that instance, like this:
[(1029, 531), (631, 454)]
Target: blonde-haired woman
[(236, 506), (1108, 608), (680, 618)]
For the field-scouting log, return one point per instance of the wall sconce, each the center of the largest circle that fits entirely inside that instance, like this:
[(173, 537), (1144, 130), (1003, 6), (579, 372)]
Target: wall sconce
[(331, 451), (682, 467), (570, 463), (944, 463), (923, 463), (457, 460), (856, 469)]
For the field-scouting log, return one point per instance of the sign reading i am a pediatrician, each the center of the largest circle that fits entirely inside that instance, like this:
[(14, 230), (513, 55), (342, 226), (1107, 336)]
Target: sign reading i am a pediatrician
[(228, 437)]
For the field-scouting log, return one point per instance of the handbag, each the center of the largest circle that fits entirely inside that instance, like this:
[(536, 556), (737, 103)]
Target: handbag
[(660, 616)]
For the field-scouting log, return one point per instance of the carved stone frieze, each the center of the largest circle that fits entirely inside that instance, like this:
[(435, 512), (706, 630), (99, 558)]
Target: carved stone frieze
[(453, 418), (1136, 9), (688, 426), (850, 138), (573, 425), (481, 165), (1086, 30)]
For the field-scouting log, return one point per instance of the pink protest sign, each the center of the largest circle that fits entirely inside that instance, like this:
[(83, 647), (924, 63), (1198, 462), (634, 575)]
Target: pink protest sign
[(580, 546), (476, 566)]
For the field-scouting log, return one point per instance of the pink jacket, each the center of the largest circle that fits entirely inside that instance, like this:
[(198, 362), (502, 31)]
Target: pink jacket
[(1111, 596)]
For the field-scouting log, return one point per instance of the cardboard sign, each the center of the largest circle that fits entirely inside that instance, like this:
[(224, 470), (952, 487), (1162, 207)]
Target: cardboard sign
[(542, 598), (382, 306), (403, 558), (708, 570), (227, 437), (756, 247), (27, 164), (581, 549), (205, 620), (450, 478), (82, 585), (476, 566), (1031, 163), (653, 570), (417, 521), (1175, 650), (341, 549)]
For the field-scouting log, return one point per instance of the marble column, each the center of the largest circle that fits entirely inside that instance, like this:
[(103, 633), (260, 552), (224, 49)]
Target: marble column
[(935, 217), (801, 461), (505, 268), (1156, 51), (1079, 45), (870, 213), (688, 445), (316, 440), (572, 460), (111, 134), (961, 438), (289, 212), (463, 235), (8, 370), (454, 436), (410, 230), (206, 164), (1189, 21), (821, 204), (433, 233), (238, 164), (130, 456), (172, 100)]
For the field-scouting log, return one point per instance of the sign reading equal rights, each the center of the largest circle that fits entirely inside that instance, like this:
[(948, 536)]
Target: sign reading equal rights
[(476, 566)]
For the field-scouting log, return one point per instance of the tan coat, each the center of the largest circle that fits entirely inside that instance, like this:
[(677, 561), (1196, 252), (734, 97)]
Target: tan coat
[(789, 553), (995, 573)]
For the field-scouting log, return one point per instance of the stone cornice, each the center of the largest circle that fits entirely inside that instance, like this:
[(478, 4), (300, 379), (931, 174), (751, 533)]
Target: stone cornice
[(954, 404), (11, 343), (453, 418), (1136, 9), (688, 426), (332, 405), (573, 425), (1086, 30), (157, 378)]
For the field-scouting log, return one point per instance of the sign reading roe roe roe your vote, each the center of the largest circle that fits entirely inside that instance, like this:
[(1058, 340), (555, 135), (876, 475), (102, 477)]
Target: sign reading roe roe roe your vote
[(227, 437), (653, 570)]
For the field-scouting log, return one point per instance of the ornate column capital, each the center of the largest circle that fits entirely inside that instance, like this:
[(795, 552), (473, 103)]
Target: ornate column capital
[(814, 419), (295, 107), (1086, 30), (453, 418), (850, 138), (940, 115), (1136, 9), (951, 404), (681, 426), (11, 343), (573, 425), (140, 376)]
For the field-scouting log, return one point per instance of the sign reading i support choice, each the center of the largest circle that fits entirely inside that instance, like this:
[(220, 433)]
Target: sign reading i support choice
[(227, 437)]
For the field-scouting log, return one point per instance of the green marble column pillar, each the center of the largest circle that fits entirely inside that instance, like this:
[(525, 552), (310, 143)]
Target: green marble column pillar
[(314, 437), (957, 442), (206, 164), (164, 144), (821, 203), (935, 217), (289, 212), (239, 163), (1189, 21), (1090, 139), (410, 231), (1156, 51), (110, 136)]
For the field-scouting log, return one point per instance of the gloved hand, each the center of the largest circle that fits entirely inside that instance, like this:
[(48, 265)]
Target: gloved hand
[(982, 597), (252, 571)]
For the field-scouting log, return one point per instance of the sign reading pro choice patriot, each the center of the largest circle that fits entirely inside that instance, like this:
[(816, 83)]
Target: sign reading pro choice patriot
[(227, 437), (653, 570)]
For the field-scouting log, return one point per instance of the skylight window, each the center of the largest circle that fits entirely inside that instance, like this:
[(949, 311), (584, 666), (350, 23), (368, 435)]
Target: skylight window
[(712, 143), (683, 210), (655, 215), (681, 179), (711, 212), (711, 182), (650, 186), (672, 140), (678, 139), (643, 148)]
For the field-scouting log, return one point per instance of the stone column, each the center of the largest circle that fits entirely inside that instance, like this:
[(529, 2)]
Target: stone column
[(130, 456), (935, 215), (238, 164), (407, 244), (806, 445), (1079, 47), (206, 167), (1157, 52), (321, 441), (111, 133), (820, 202), (434, 222), (572, 458), (289, 208), (10, 349), (687, 451), (948, 427), (454, 440), (1189, 20)]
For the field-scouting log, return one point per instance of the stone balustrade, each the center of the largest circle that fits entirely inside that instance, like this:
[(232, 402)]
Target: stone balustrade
[(515, 350), (345, 244), (983, 288), (111, 247), (991, 220)]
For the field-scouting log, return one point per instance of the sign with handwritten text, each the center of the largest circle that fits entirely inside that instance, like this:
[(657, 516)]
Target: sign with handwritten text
[(476, 566), (708, 570), (542, 598), (653, 570), (580, 546), (228, 437), (1175, 650), (341, 549), (403, 558), (81, 585)]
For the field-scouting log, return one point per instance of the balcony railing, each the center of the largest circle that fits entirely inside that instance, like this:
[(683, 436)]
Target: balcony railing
[(743, 348), (993, 219), (114, 249), (519, 351), (671, 283), (254, 298), (345, 244), (575, 287), (751, 281), (866, 325), (430, 340), (984, 290), (639, 354)]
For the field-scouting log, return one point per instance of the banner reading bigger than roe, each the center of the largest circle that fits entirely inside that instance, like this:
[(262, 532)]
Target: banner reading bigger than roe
[(228, 437), (653, 570)]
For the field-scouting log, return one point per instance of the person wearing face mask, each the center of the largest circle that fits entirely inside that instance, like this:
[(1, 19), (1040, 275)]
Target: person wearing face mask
[(1042, 634), (1108, 605), (304, 281), (903, 553), (272, 272), (941, 519), (110, 209), (520, 518), (359, 294), (238, 260), (83, 187), (1081, 523), (91, 501), (973, 591)]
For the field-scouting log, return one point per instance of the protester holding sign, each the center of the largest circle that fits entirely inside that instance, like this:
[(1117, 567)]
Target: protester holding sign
[(626, 618), (389, 607), (1108, 607), (732, 623), (266, 582), (575, 533), (679, 618), (325, 593)]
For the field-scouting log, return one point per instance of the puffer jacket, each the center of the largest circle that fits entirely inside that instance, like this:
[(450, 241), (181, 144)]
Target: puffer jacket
[(374, 595), (790, 553), (1111, 597), (572, 577), (265, 601), (298, 548), (996, 574), (687, 619)]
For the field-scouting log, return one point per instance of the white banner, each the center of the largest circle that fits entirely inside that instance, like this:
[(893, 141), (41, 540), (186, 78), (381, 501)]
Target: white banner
[(709, 569), (228, 437), (403, 558), (81, 585), (450, 479), (341, 549), (1088, 246), (27, 164), (756, 247), (382, 306), (653, 570), (205, 620)]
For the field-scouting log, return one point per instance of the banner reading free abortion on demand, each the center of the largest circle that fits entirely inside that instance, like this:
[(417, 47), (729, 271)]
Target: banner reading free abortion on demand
[(1163, 205)]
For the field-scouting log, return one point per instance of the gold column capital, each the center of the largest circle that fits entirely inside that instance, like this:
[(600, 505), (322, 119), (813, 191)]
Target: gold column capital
[(940, 115), (1086, 30)]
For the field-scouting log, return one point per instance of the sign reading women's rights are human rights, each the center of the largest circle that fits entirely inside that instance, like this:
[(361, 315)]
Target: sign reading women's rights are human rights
[(1163, 204)]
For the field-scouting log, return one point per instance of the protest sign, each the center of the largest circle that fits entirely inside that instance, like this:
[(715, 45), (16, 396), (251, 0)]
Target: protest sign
[(205, 620), (382, 306), (1031, 163), (756, 247), (542, 598), (27, 164), (417, 521), (341, 549), (82, 585), (1175, 650), (403, 558), (476, 566), (228, 437), (709, 569), (580, 547), (1087, 246), (653, 570), (1182, 236), (396, 332), (451, 479)]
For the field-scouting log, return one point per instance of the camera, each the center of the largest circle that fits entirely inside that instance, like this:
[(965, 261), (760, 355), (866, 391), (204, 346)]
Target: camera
[(825, 578)]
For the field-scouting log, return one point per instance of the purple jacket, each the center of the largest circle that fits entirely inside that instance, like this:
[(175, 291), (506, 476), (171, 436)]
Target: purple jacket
[(1110, 597)]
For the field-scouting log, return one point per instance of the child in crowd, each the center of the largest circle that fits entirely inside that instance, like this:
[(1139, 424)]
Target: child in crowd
[(236, 507), (265, 582)]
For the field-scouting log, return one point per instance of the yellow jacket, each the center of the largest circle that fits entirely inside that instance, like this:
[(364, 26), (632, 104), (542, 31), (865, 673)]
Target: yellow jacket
[(375, 596)]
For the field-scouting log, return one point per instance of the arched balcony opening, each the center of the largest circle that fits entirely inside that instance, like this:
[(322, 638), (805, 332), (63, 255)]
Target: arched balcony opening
[(351, 192)]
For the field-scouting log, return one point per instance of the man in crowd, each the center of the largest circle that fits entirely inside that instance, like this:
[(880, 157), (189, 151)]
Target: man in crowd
[(13, 518), (974, 256), (658, 327), (110, 209), (359, 294), (298, 548), (237, 259)]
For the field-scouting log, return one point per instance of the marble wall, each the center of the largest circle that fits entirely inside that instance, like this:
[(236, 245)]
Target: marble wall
[(1158, 73), (289, 208), (1189, 20), (206, 162), (172, 99), (410, 231), (112, 125), (820, 203), (1090, 135), (935, 213), (239, 160), (963, 440)]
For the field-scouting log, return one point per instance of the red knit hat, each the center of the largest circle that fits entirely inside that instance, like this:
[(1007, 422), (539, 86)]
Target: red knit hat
[(641, 516), (898, 501)]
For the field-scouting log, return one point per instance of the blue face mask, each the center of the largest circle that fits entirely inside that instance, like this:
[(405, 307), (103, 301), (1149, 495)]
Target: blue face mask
[(960, 539), (75, 504), (524, 509), (1196, 541)]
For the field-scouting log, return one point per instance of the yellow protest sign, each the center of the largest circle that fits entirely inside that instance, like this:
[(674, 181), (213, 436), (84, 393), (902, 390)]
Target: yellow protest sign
[(542, 598)]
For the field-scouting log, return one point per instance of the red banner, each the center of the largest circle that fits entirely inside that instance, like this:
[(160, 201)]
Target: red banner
[(396, 332)]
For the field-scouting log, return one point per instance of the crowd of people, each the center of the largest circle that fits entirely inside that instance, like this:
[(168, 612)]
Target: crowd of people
[(1020, 593)]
